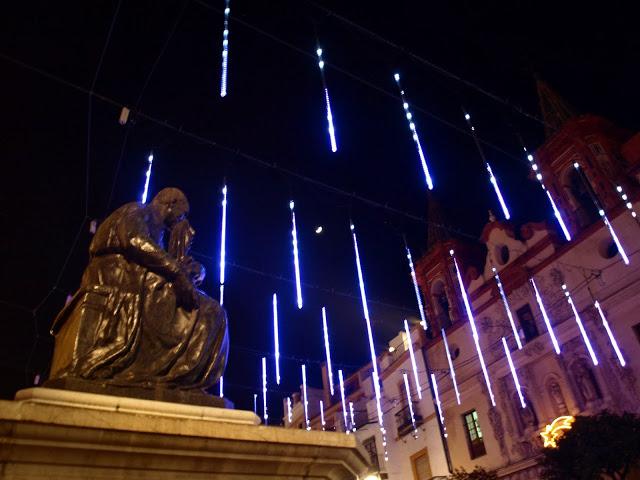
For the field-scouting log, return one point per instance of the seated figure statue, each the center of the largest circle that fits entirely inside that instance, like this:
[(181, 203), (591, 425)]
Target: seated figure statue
[(138, 325)]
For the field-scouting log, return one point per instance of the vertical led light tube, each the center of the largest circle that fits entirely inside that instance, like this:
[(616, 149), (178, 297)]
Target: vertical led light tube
[(305, 399), (255, 403), (332, 132), (423, 319), (344, 404), (451, 369), (221, 385), (492, 178), (147, 178), (583, 332), (322, 414), (547, 322), (414, 133), (437, 395), (264, 390), (289, 410), (327, 349), (276, 338), (410, 403), (352, 417), (514, 374), (507, 309), (225, 50), (612, 339), (476, 338), (412, 356), (556, 212), (223, 242), (296, 262)]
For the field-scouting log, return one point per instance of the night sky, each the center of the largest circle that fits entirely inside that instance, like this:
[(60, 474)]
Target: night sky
[(275, 112)]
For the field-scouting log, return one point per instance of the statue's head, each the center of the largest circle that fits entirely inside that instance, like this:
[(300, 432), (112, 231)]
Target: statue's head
[(171, 204)]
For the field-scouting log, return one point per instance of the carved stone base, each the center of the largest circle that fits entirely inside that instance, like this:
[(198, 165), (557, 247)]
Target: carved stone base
[(189, 397)]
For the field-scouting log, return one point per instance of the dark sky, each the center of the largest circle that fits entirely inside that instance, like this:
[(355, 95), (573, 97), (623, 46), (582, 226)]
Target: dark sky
[(275, 111)]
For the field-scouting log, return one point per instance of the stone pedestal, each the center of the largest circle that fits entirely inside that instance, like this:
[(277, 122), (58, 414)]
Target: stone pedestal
[(57, 434)]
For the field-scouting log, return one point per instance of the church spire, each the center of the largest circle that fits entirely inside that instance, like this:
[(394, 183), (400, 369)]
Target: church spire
[(436, 230), (554, 109)]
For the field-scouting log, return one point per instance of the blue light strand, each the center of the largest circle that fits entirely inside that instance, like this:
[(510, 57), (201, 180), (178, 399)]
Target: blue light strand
[(583, 331), (289, 410), (276, 337), (223, 243), (514, 374), (414, 133), (225, 50), (414, 279), (451, 369), (413, 359), (147, 179), (331, 129), (612, 339), (476, 338), (352, 417), (327, 349), (322, 415), (344, 404), (492, 177), (627, 203), (305, 399), (507, 308), (410, 403), (437, 397), (221, 384), (265, 415), (296, 261), (547, 322)]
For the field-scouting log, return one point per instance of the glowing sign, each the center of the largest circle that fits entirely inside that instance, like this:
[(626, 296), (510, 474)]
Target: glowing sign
[(555, 430)]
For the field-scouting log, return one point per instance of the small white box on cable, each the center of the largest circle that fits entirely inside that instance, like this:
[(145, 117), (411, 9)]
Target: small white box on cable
[(124, 116)]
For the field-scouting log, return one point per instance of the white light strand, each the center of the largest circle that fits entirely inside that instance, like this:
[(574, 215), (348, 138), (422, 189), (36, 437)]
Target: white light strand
[(514, 374), (547, 322), (492, 177), (612, 339), (255, 403), (145, 192), (289, 410), (265, 415), (423, 319), (583, 331), (437, 395), (414, 133), (410, 404), (327, 349), (296, 262), (556, 212), (305, 398), (225, 50), (344, 403), (221, 384), (352, 417), (451, 369), (276, 338), (332, 132), (476, 338), (627, 203), (322, 415), (413, 359), (507, 309), (223, 242)]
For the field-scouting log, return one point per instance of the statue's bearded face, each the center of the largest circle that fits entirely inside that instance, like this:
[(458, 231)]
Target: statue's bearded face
[(172, 206)]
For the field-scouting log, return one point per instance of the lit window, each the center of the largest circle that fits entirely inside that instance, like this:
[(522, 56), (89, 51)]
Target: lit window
[(474, 434)]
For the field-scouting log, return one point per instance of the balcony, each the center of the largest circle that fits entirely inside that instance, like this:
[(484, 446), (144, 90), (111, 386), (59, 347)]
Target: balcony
[(403, 419)]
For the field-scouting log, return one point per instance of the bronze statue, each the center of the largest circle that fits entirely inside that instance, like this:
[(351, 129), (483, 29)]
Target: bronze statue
[(138, 325)]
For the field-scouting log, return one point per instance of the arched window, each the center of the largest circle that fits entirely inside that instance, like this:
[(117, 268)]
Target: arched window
[(441, 304), (585, 210)]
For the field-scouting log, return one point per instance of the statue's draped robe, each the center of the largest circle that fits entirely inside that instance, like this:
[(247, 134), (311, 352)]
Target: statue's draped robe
[(124, 327)]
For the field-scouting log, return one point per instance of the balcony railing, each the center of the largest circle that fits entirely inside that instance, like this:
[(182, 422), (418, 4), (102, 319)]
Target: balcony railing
[(403, 419)]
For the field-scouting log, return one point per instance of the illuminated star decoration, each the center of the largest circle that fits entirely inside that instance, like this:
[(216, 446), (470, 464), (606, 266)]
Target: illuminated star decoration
[(627, 203), (414, 279), (413, 359), (507, 309), (547, 322), (264, 390), (552, 432), (327, 349), (476, 338), (414, 133), (451, 369), (332, 132), (437, 396), (514, 374), (352, 416), (344, 405), (276, 337), (372, 350), (289, 410), (296, 262), (225, 50), (612, 339), (556, 212), (606, 221), (322, 415), (410, 403), (145, 192), (305, 399), (492, 178), (583, 332), (223, 242), (221, 384)]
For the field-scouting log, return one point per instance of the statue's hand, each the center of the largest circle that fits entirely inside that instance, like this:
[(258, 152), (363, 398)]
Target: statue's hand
[(186, 293)]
